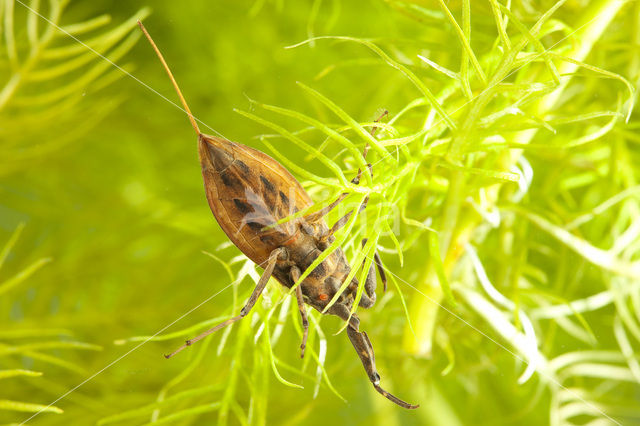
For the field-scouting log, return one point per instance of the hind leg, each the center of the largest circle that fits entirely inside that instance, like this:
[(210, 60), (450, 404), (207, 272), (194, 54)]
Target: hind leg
[(277, 254)]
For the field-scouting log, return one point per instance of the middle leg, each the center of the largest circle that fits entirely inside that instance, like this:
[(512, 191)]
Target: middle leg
[(295, 276)]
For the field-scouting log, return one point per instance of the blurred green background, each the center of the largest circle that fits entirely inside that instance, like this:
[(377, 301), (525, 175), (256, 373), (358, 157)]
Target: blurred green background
[(103, 174)]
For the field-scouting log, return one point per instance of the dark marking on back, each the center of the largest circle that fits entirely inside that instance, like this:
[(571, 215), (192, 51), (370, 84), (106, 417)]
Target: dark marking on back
[(242, 206), (229, 179), (255, 226), (284, 198), (267, 239), (267, 184), (243, 167)]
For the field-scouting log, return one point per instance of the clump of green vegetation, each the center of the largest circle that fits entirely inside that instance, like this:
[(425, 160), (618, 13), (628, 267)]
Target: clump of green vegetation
[(46, 73), (32, 343), (502, 196)]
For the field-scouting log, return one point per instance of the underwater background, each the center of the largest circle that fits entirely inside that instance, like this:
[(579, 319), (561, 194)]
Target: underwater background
[(504, 201)]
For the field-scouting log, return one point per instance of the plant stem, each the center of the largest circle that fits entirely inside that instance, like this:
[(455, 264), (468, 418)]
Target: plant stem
[(457, 227)]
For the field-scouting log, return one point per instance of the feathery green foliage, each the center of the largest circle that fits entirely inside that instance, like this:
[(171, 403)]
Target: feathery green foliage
[(503, 198)]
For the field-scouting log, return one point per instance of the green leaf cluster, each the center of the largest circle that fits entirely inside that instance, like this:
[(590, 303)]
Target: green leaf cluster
[(502, 195)]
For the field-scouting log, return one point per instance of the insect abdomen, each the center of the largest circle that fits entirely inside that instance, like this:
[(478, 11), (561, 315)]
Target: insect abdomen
[(247, 191)]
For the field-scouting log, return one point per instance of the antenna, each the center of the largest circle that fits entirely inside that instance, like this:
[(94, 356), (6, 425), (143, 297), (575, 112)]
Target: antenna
[(173, 80)]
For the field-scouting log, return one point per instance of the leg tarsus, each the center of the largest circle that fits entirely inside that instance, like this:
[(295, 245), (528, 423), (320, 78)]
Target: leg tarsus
[(314, 217), (364, 349), (356, 180), (262, 283), (343, 221), (391, 397)]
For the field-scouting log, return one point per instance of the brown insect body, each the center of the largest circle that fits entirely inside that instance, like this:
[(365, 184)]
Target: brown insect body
[(248, 193)]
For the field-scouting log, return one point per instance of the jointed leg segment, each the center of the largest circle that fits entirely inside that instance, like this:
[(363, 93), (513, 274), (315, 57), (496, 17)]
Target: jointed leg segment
[(356, 180), (363, 347), (295, 276), (343, 220), (378, 262), (262, 283), (383, 276)]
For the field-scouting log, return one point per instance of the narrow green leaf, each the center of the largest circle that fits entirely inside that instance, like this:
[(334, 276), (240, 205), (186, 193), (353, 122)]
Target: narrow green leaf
[(503, 176), (323, 128), (94, 23), (267, 337), (300, 143), (5, 374), (395, 241), (462, 37), (414, 79), (595, 255), (607, 74), (500, 23), (536, 43), (147, 409), (75, 86), (26, 407), (357, 128), (298, 170), (32, 22), (8, 350), (10, 243), (187, 412), (22, 275)]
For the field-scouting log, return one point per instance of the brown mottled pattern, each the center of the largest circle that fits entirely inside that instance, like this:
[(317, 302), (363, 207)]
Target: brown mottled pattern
[(247, 190)]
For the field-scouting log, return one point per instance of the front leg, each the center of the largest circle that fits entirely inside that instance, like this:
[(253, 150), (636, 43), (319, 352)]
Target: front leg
[(314, 217), (294, 274), (343, 221)]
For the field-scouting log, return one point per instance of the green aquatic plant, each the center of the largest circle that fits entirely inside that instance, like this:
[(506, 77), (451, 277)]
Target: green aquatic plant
[(32, 343), (46, 73), (502, 196)]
